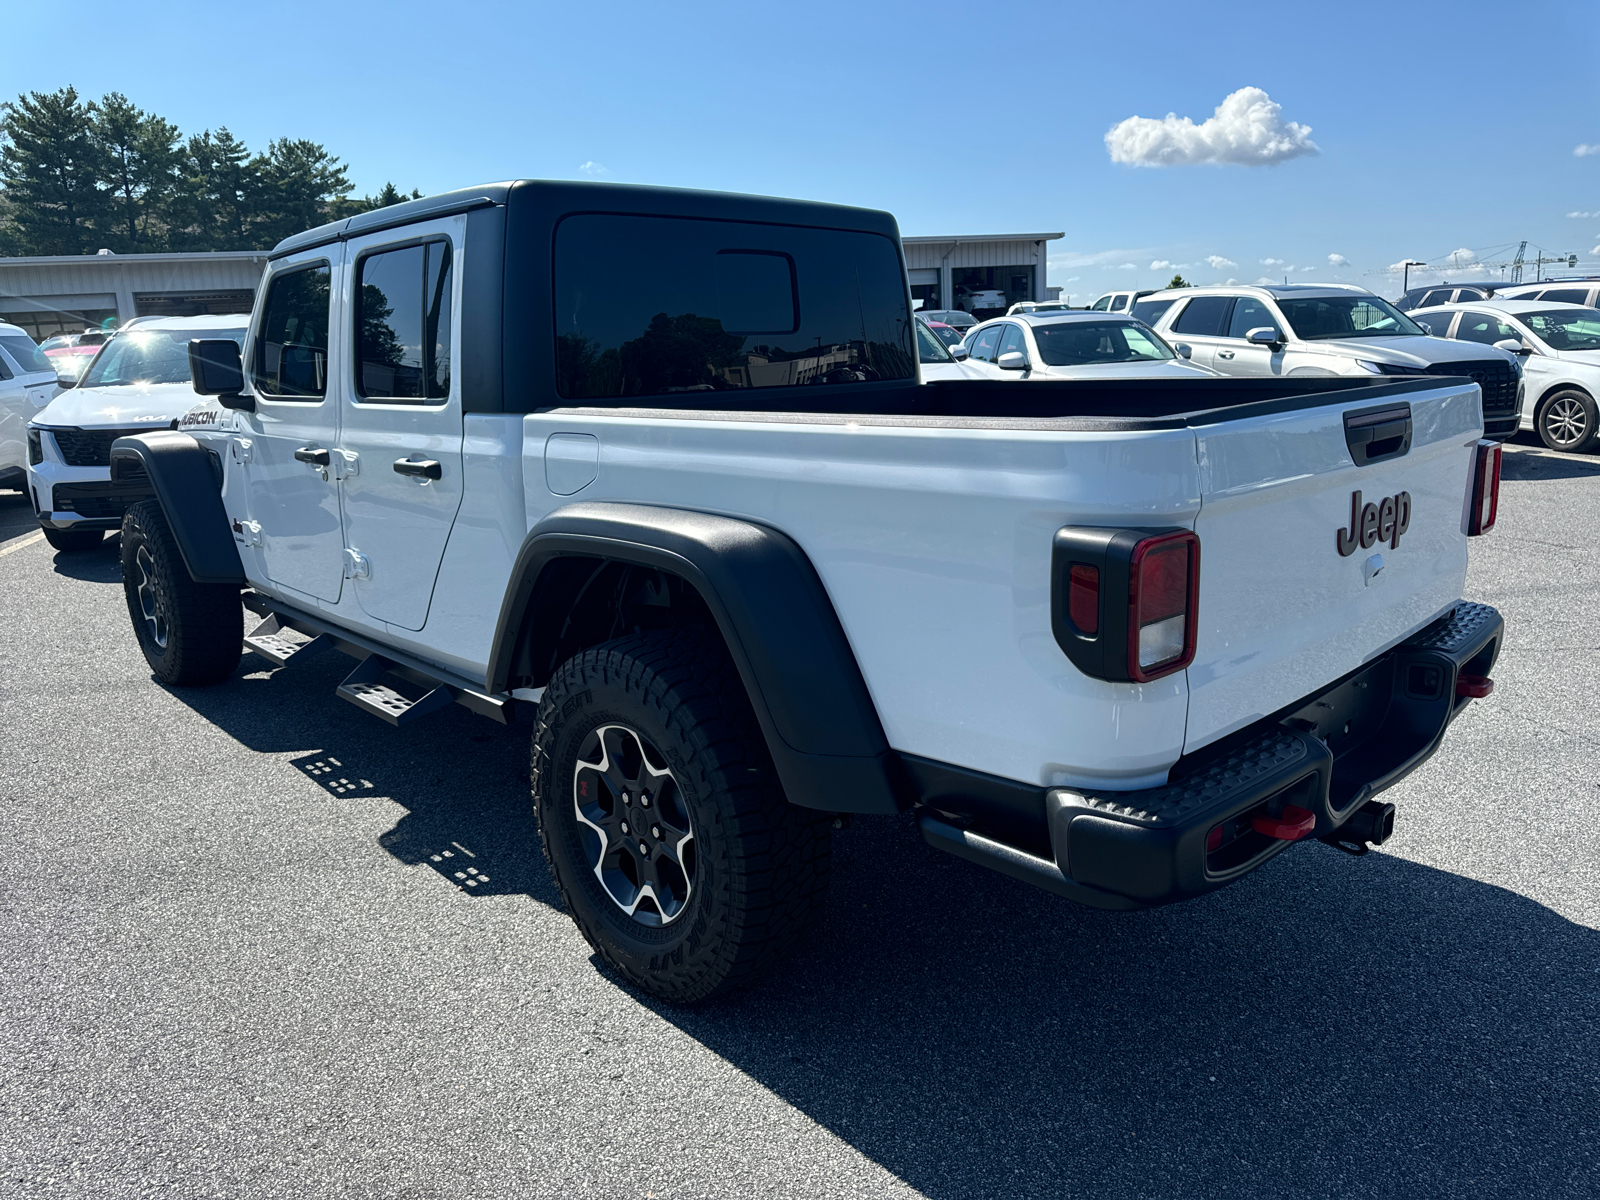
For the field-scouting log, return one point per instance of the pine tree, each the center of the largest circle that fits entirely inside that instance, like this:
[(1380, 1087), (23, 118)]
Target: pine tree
[(1178, 281), (299, 182), (141, 161), (51, 167), (219, 195)]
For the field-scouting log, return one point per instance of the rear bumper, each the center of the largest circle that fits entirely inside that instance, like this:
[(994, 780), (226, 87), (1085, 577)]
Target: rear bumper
[(1328, 754)]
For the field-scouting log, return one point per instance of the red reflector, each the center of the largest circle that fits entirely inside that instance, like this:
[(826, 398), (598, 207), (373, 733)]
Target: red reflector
[(1485, 489), (1163, 595), (1295, 823), (1214, 838), (1083, 597), (1476, 686)]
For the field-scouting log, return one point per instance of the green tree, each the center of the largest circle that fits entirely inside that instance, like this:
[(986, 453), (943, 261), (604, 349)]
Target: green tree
[(51, 165), (218, 195), (1178, 281), (299, 183), (140, 163)]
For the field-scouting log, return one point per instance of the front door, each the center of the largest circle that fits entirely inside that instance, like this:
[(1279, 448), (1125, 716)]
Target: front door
[(401, 421), (1200, 326), (1234, 355), (292, 488)]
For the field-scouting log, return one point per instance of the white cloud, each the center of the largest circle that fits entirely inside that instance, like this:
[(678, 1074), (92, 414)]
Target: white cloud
[(1229, 280), (1584, 215), (1096, 258), (1462, 257), (1218, 262), (1128, 267), (1161, 264), (592, 168), (1272, 262), (1074, 279), (1595, 251), (1247, 130), (1585, 149), (1264, 279), (1338, 260)]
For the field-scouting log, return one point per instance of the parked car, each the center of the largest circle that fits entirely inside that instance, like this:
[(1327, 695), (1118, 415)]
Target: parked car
[(1077, 345), (739, 605), (945, 333), (71, 353), (1584, 290), (1446, 293), (139, 380), (934, 359), (983, 302), (27, 382), (953, 317), (1560, 345), (1038, 306), (1330, 329), (1118, 302)]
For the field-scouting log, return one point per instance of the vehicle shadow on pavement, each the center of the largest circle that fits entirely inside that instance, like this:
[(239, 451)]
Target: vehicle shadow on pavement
[(1329, 1026), (103, 564), (462, 779), (1548, 466)]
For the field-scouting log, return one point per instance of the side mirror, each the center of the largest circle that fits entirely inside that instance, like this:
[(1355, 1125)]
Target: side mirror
[(1264, 335), (958, 353), (217, 370), (66, 381), (1183, 349), (1014, 360)]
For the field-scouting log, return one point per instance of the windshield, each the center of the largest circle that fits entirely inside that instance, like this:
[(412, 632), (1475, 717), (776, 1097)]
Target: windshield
[(929, 348), (1085, 343), (150, 356), (29, 357), (1565, 328), (947, 335), (1347, 317)]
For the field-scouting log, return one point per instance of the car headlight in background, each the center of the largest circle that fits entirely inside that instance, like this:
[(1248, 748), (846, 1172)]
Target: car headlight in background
[(35, 447)]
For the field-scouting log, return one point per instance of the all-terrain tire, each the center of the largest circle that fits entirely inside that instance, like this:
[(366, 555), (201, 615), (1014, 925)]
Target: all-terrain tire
[(191, 633), (1568, 421), (760, 865), (70, 541)]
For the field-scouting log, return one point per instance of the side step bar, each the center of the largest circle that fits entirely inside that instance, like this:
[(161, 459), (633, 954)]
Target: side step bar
[(364, 687)]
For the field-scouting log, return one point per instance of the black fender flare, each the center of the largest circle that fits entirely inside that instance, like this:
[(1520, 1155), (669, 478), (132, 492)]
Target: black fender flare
[(180, 474), (780, 626)]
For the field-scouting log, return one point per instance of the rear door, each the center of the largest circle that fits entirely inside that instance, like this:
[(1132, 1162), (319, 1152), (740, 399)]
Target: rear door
[(1200, 326), (1286, 604), (1239, 357), (401, 423)]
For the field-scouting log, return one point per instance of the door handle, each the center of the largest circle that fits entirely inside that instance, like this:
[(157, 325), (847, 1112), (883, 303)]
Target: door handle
[(309, 454), (1224, 353), (426, 469)]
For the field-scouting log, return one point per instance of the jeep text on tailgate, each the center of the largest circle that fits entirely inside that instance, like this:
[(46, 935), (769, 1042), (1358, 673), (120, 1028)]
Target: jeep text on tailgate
[(654, 469)]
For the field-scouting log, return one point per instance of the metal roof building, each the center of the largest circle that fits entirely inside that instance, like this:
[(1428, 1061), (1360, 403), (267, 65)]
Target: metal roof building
[(944, 270), (73, 292)]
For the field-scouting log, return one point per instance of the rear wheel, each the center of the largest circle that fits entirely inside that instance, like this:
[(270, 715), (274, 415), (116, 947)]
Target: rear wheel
[(191, 633), (1567, 421), (72, 540), (662, 821)]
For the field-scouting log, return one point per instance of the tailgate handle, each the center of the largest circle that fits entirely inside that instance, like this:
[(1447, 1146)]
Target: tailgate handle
[(1376, 434)]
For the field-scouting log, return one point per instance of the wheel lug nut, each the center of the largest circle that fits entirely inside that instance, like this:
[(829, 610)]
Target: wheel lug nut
[(655, 831), (624, 827), (644, 849), (644, 799)]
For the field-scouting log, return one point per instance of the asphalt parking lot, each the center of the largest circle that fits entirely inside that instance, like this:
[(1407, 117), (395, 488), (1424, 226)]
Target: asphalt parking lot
[(257, 943)]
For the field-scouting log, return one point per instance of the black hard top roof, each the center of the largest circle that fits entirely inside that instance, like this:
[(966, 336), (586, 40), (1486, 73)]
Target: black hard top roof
[(572, 195)]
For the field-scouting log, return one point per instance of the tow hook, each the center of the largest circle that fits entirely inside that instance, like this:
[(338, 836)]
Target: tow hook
[(1370, 825)]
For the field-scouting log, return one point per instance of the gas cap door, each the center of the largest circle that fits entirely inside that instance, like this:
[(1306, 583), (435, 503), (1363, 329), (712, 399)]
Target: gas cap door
[(571, 461)]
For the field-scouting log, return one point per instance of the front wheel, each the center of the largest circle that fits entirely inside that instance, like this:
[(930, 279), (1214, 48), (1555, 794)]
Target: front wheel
[(70, 541), (662, 821), (1567, 421), (191, 633)]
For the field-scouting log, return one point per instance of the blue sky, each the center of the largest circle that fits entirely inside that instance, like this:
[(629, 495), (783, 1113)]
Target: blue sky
[(1437, 126)]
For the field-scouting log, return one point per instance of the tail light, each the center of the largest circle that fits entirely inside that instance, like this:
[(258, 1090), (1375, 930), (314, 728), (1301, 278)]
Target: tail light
[(1485, 489), (1124, 601)]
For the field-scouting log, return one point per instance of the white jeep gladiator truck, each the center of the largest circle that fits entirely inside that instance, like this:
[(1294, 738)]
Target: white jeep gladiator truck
[(652, 473)]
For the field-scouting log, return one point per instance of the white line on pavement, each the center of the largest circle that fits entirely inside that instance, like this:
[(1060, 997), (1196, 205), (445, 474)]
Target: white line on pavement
[(27, 541)]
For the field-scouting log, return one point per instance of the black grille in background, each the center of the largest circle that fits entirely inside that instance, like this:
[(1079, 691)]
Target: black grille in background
[(91, 447), (1498, 380)]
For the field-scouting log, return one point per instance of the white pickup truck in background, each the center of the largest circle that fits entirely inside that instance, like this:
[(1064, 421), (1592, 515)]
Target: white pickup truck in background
[(655, 467)]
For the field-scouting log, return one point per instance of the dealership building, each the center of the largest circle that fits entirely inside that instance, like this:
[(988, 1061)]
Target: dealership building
[(72, 292), (943, 270)]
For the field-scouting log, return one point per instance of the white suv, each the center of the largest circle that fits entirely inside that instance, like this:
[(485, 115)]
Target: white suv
[(27, 381), (1328, 329), (139, 381)]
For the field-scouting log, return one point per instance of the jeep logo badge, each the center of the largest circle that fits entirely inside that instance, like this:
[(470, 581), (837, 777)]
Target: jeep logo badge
[(1374, 523)]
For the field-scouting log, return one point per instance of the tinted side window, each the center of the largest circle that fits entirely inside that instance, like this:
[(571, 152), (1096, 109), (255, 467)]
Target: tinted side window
[(1204, 316), (1481, 327), (1013, 342), (403, 324), (1437, 296), (985, 346), (1566, 295), (1101, 304), (1468, 294), (656, 305), (1150, 311), (291, 358), (1437, 323), (1250, 313)]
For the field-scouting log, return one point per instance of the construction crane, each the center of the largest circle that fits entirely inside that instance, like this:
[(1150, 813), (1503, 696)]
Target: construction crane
[(1516, 263)]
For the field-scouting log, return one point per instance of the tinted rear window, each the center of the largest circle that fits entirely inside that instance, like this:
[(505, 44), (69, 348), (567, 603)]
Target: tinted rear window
[(660, 305), (1150, 311), (1204, 316), (29, 357)]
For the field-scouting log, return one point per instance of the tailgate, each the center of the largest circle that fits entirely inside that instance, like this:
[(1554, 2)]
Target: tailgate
[(1282, 611)]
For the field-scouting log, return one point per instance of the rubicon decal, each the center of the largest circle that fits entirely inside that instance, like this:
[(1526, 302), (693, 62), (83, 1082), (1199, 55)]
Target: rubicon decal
[(1370, 524)]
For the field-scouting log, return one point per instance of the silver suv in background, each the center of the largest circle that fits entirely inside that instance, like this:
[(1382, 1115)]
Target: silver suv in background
[(1328, 329)]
